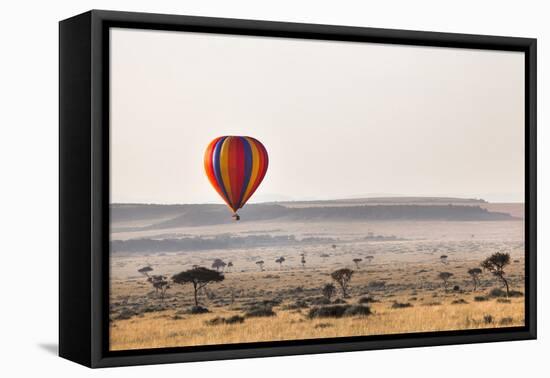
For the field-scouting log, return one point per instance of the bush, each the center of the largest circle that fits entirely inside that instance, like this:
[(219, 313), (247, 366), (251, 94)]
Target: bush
[(339, 301), (459, 301), (198, 310), (499, 293), (357, 310), (231, 320), (506, 321), (496, 293), (456, 288), (319, 301), (299, 304), (367, 299), (400, 305), (323, 325), (515, 294), (338, 311), (125, 314), (480, 299), (488, 319), (503, 300), (260, 311), (328, 311), (376, 284)]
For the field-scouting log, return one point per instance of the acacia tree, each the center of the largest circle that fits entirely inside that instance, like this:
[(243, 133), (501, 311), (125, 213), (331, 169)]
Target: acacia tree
[(329, 290), (357, 261), (342, 277), (474, 273), (160, 284), (199, 278), (218, 263), (369, 258), (261, 265), (229, 265), (145, 270), (443, 259), (280, 261), (324, 256), (495, 264), (445, 276), (303, 260)]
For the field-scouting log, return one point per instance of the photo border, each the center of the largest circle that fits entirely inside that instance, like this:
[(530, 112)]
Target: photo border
[(93, 28)]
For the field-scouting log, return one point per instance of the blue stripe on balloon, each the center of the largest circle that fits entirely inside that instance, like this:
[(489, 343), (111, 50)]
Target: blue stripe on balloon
[(216, 164), (247, 169)]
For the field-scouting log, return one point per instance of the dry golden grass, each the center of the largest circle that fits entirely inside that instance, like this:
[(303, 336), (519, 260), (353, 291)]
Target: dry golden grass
[(164, 330), (408, 270)]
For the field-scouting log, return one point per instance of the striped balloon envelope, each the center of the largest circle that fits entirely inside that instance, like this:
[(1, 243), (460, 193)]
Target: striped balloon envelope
[(235, 166)]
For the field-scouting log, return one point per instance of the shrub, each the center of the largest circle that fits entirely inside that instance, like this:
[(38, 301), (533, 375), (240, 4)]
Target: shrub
[(357, 310), (339, 301), (488, 319), (515, 294), (338, 311), (319, 301), (323, 325), (456, 288), (367, 299), (198, 310), (506, 321), (328, 311), (260, 311), (125, 314), (296, 305), (497, 293), (401, 305), (503, 300), (459, 301), (480, 299), (230, 320), (376, 284)]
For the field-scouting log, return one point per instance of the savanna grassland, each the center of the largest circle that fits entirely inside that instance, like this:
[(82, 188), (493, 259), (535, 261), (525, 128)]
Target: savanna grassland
[(395, 286)]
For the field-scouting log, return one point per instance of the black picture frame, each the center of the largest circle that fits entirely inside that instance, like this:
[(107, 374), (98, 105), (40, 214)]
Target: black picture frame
[(84, 186)]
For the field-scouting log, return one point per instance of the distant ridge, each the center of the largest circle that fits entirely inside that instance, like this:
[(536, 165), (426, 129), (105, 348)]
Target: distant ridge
[(153, 217)]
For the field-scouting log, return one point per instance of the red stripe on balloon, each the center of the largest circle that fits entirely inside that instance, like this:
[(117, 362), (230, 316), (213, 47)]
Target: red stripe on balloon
[(236, 173)]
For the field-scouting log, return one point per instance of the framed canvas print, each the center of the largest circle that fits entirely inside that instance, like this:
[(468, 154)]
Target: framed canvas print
[(236, 188)]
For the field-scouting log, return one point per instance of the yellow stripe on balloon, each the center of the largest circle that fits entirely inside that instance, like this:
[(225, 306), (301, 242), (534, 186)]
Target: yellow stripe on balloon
[(255, 168), (224, 168)]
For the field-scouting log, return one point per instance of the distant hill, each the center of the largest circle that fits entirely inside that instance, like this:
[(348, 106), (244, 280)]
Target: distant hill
[(152, 217)]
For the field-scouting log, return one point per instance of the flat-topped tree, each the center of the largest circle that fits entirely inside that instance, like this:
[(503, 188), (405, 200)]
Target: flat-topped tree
[(445, 276), (496, 264), (443, 259), (229, 265), (199, 278), (357, 261), (475, 273), (145, 270), (280, 261), (218, 263), (342, 277), (261, 265)]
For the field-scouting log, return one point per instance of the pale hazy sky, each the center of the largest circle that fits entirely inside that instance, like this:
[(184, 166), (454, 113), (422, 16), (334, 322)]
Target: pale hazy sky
[(338, 119)]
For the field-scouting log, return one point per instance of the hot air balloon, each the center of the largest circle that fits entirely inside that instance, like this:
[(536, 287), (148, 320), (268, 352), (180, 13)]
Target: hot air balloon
[(235, 166)]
